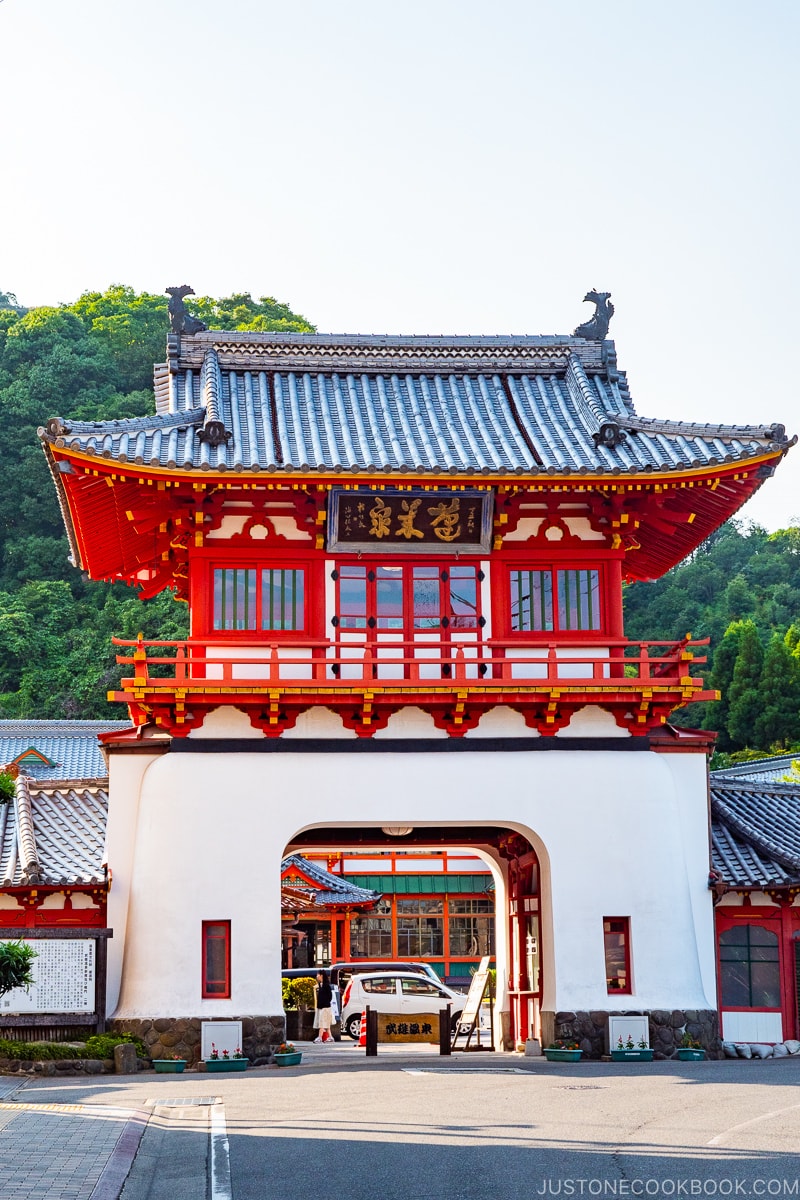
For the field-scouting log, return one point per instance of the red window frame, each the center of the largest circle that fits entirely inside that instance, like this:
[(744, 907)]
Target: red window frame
[(615, 927), (216, 987), (553, 568), (202, 595), (406, 631)]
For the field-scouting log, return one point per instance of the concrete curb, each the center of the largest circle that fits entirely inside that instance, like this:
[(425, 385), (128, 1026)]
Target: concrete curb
[(117, 1169)]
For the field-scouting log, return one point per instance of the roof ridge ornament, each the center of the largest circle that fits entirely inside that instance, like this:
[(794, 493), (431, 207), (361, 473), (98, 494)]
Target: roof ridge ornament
[(180, 321), (596, 328)]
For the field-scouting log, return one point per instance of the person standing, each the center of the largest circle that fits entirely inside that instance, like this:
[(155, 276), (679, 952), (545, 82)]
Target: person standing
[(324, 1002)]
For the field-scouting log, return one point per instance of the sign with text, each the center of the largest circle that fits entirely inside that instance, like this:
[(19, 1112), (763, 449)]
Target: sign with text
[(412, 522), (63, 979), (421, 1027)]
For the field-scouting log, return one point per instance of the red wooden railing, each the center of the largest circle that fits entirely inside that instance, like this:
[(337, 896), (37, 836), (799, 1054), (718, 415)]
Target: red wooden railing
[(197, 662)]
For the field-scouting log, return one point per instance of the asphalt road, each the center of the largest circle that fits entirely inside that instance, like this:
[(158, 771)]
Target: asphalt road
[(398, 1130)]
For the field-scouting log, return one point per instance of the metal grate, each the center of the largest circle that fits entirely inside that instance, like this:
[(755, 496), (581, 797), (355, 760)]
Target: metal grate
[(183, 1101)]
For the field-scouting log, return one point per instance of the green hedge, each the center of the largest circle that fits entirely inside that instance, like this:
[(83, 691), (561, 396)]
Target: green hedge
[(99, 1046)]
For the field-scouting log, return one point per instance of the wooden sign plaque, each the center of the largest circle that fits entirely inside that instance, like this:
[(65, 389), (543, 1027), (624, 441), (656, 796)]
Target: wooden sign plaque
[(412, 522)]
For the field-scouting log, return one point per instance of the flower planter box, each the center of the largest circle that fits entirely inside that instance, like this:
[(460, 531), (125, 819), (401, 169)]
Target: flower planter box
[(556, 1055), (690, 1054), (169, 1066), (226, 1064), (632, 1055), (289, 1060)]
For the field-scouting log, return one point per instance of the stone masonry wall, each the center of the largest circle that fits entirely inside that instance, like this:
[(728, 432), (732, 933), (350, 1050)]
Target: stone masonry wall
[(666, 1030), (166, 1037)]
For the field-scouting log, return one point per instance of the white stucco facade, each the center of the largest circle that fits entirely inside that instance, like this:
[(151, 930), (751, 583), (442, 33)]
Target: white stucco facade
[(196, 836)]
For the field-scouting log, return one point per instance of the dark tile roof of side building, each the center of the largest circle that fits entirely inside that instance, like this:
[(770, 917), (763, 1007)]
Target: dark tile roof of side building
[(71, 748), (53, 833), (755, 832), (333, 889)]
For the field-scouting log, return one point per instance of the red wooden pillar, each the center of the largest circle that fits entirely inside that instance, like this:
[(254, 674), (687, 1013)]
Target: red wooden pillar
[(788, 982)]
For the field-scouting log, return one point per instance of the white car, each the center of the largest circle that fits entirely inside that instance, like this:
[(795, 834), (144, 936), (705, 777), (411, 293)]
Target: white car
[(400, 992)]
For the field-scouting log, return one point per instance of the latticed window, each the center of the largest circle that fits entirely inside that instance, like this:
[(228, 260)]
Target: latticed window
[(471, 926), (749, 967), (420, 927), (617, 945), (576, 604), (216, 951), (371, 937), (253, 598)]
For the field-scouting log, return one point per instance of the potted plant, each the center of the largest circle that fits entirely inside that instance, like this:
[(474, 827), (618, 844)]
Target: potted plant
[(630, 1051), (563, 1051), (225, 1061), (690, 1049), (169, 1066), (287, 1055)]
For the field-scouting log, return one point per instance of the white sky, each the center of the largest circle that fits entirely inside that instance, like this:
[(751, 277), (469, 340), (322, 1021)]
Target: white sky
[(430, 167)]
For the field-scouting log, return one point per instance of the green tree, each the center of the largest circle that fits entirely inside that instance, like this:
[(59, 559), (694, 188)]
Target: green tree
[(744, 699), (778, 720)]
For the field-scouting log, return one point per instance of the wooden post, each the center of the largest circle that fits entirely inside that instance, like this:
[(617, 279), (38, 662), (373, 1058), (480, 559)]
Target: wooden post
[(445, 1020), (371, 1018)]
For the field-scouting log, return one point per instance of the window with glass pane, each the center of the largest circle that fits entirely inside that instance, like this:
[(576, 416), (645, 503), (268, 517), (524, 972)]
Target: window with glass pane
[(282, 599), (371, 937), (616, 940), (749, 967), (420, 936), (427, 611), (353, 597), (531, 601), (235, 598), (471, 935), (463, 598), (578, 599), (389, 597), (216, 951)]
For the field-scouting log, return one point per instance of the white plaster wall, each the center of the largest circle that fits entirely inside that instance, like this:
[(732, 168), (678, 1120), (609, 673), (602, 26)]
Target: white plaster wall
[(618, 834), (125, 773)]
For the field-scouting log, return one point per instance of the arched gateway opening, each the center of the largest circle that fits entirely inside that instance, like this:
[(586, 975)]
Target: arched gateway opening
[(433, 906)]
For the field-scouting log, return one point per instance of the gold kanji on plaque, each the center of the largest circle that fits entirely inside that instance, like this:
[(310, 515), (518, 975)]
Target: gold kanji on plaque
[(406, 520), (380, 517), (444, 520)]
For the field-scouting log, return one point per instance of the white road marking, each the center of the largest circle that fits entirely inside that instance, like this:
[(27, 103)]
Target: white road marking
[(754, 1121), (220, 1156)]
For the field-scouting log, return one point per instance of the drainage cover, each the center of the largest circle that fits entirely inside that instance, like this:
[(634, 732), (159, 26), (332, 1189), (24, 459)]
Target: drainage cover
[(184, 1101)]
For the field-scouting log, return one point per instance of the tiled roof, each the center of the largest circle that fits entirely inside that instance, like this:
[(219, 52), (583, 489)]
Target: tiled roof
[(760, 770), (53, 834), (332, 889), (755, 832), (303, 402), (71, 746)]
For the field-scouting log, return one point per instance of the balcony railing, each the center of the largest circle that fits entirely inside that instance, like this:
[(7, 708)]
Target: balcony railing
[(198, 664)]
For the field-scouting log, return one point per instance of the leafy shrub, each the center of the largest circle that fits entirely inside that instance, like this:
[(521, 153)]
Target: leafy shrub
[(98, 1046), (101, 1045), (298, 993), (16, 965), (36, 1051)]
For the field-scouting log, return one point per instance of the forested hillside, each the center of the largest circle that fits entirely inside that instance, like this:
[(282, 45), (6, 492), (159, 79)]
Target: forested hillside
[(93, 360)]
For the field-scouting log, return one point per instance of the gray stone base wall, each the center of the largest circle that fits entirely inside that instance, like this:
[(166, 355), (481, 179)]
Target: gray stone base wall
[(667, 1028), (166, 1037)]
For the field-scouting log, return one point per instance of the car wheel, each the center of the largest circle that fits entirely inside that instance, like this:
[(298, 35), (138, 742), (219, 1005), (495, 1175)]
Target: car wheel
[(352, 1027)]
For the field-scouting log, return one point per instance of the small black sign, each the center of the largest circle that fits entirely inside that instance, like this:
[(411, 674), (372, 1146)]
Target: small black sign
[(413, 522)]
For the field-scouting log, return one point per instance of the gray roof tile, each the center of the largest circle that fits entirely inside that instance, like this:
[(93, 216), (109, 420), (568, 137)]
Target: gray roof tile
[(53, 834), (755, 832), (72, 747), (313, 403)]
